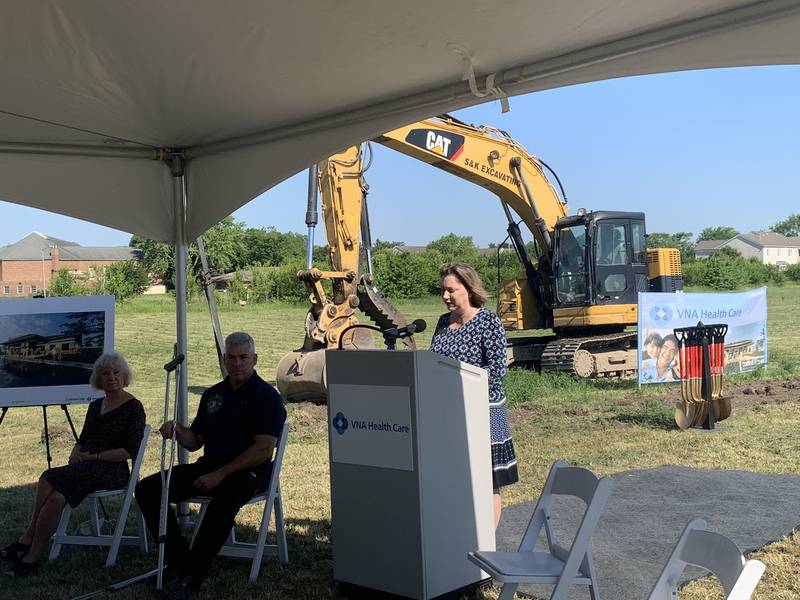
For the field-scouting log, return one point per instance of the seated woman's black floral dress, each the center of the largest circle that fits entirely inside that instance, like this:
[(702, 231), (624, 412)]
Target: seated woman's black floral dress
[(481, 342), (119, 428)]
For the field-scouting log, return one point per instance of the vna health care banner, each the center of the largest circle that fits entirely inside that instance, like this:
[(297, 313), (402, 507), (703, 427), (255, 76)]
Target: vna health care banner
[(660, 313)]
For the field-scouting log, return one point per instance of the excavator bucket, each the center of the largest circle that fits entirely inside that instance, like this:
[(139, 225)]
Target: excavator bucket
[(301, 374)]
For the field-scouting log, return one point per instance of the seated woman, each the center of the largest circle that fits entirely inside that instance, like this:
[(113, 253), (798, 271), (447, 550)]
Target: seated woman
[(111, 435)]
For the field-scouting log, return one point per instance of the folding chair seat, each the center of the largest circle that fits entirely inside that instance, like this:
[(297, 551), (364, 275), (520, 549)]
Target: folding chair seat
[(557, 566), (97, 537), (272, 502), (712, 552)]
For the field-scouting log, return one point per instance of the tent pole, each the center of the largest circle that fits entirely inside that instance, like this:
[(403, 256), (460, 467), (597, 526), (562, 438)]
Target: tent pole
[(177, 166), (77, 150)]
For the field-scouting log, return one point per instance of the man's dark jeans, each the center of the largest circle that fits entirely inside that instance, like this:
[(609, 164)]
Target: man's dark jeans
[(227, 498)]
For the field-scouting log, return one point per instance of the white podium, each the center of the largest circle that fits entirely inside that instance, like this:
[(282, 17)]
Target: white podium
[(410, 466)]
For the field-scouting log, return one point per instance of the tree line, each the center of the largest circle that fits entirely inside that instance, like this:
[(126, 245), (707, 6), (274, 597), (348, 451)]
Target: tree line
[(266, 262)]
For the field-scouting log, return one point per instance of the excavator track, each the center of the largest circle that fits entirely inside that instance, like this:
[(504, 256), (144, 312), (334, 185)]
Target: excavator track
[(610, 355)]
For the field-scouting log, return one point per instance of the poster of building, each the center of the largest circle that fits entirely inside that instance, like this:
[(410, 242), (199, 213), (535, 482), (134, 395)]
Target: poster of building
[(660, 313), (48, 347)]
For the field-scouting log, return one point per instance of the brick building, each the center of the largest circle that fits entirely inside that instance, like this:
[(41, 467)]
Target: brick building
[(27, 266)]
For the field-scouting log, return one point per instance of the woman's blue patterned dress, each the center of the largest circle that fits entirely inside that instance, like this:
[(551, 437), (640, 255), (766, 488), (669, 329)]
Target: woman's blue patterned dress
[(481, 341)]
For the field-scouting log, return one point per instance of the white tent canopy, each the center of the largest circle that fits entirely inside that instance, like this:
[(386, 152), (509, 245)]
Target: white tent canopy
[(250, 92)]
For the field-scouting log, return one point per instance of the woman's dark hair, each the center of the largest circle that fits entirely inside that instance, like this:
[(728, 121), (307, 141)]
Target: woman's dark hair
[(469, 278)]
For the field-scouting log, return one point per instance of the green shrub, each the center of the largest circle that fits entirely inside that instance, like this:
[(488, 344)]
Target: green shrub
[(776, 276), (65, 283), (405, 275), (694, 273), (237, 288), (125, 279), (194, 289), (726, 270), (262, 288), (757, 272), (793, 272), (455, 248), (510, 268), (285, 284)]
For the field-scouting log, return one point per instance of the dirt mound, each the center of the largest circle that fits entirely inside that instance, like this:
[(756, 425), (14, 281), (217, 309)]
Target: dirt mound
[(307, 419), (763, 392), (742, 394)]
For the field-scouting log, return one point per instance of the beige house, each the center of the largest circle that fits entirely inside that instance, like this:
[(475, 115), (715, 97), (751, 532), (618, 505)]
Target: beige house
[(767, 246), (706, 248)]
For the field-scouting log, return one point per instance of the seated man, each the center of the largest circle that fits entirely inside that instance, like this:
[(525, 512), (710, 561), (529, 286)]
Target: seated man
[(237, 423)]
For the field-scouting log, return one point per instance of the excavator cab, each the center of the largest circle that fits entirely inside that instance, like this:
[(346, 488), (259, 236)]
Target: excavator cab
[(599, 267)]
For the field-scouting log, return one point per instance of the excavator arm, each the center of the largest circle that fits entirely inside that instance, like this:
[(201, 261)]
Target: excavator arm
[(342, 188), (329, 321), (490, 158)]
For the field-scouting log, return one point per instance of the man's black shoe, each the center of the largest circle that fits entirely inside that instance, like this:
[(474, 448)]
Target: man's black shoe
[(170, 574), (177, 589)]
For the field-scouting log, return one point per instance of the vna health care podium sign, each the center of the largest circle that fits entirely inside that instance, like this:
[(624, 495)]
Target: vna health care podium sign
[(660, 313)]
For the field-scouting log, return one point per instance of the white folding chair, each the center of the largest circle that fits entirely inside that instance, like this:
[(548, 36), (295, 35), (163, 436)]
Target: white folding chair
[(272, 501), (558, 566), (97, 538), (713, 552)]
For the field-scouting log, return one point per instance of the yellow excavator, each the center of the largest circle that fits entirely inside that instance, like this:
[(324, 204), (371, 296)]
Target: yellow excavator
[(582, 282)]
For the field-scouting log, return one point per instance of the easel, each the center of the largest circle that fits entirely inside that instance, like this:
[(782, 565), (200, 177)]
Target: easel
[(47, 436), (46, 429)]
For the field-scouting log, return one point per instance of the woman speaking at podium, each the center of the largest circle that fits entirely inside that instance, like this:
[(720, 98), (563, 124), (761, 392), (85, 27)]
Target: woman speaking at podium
[(473, 334)]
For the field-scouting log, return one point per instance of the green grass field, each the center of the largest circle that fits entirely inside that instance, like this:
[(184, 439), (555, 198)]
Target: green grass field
[(606, 426)]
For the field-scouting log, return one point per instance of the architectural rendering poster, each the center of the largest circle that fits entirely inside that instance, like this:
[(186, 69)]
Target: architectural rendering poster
[(660, 313), (48, 347)]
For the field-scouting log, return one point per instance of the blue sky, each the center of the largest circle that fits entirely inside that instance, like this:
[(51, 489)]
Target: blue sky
[(691, 150), (40, 324)]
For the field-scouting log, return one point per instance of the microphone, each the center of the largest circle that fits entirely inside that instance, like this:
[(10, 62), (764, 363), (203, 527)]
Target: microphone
[(389, 335), (403, 332)]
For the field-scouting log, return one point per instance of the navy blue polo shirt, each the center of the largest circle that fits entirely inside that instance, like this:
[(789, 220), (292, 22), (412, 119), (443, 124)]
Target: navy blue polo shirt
[(230, 419)]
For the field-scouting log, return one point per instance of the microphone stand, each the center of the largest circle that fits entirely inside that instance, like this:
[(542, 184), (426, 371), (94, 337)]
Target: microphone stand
[(390, 336)]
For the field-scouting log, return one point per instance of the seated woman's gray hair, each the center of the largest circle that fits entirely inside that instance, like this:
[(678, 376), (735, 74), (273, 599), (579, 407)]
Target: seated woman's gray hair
[(110, 360)]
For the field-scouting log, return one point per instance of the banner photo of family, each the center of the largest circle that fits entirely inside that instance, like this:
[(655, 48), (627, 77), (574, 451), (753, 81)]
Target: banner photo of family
[(660, 313)]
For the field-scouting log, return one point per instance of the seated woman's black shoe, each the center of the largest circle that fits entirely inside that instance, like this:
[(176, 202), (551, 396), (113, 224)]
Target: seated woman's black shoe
[(22, 569), (14, 552)]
